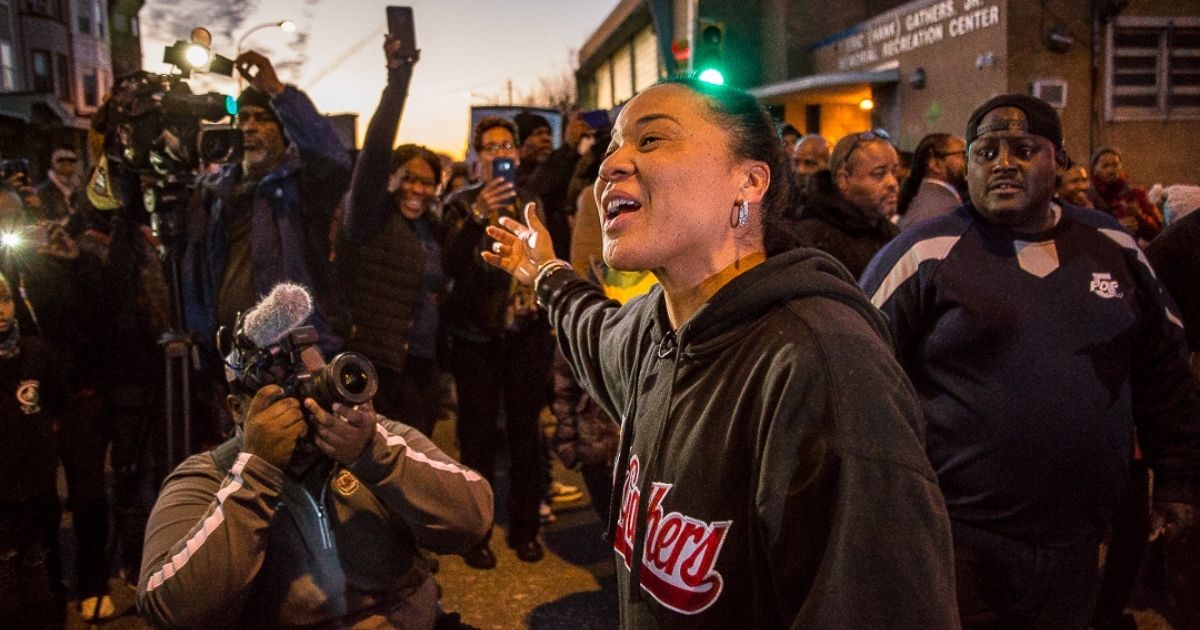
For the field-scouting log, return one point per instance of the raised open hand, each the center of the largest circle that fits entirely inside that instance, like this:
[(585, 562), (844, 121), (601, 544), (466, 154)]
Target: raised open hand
[(520, 249)]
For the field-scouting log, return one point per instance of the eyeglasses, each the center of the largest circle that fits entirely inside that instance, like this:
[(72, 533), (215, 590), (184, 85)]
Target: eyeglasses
[(837, 161), (496, 147)]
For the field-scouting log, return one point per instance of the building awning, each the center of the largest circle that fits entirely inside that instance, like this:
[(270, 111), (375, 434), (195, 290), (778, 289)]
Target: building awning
[(816, 81), (35, 108)]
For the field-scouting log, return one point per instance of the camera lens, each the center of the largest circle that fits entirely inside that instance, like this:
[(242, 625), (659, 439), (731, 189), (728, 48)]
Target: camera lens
[(352, 378)]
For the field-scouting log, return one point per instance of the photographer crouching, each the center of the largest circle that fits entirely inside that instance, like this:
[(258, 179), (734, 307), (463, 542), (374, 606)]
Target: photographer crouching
[(314, 511)]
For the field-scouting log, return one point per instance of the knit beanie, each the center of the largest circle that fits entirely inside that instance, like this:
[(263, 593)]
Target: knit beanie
[(251, 97), (527, 123)]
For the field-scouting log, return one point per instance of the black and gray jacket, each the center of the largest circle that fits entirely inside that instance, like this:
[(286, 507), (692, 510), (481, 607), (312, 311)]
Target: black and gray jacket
[(771, 471), (381, 261), (241, 544)]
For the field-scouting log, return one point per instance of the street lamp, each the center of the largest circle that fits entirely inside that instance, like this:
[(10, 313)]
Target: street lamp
[(287, 26)]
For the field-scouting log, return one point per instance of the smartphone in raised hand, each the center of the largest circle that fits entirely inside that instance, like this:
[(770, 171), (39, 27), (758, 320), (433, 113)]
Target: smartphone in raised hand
[(506, 169), (400, 26)]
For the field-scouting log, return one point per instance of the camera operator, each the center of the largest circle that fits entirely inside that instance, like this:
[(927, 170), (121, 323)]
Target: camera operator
[(266, 220), (308, 515)]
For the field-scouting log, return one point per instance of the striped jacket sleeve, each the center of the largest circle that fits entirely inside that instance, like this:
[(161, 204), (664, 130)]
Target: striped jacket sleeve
[(205, 541), (447, 506), (895, 284)]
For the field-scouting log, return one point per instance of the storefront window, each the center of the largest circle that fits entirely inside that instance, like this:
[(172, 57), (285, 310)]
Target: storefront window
[(645, 60), (622, 68), (604, 94)]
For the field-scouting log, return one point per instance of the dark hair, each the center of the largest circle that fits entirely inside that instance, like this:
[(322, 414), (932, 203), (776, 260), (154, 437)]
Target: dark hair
[(491, 122), (406, 152), (457, 169), (1101, 152), (754, 138), (929, 146)]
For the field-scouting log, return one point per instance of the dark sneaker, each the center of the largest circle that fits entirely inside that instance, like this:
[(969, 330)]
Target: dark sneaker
[(480, 557), (528, 551)]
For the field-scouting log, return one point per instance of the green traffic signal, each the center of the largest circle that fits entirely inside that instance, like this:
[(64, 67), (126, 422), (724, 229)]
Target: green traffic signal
[(712, 75), (709, 59), (231, 107)]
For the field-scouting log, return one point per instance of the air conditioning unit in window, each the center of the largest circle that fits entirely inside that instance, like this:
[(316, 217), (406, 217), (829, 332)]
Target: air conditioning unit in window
[(1053, 91)]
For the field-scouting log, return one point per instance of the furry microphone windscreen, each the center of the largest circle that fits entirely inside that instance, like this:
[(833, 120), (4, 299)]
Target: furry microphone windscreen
[(285, 308)]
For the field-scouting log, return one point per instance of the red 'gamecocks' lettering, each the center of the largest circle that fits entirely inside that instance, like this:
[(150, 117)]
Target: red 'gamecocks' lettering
[(680, 552)]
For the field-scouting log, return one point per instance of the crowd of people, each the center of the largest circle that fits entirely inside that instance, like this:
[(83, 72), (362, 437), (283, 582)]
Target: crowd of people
[(808, 383)]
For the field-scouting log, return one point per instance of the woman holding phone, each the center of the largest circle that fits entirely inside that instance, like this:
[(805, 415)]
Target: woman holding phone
[(771, 471), (390, 258), (500, 350)]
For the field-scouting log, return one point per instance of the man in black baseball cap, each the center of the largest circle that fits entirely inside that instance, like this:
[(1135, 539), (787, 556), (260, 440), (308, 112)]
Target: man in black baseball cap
[(1014, 144), (1038, 338)]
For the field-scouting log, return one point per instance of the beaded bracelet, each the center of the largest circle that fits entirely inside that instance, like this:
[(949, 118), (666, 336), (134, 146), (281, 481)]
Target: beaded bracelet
[(547, 268)]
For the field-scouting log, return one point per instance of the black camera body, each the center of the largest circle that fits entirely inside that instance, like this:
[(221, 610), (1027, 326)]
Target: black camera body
[(154, 125), (296, 364)]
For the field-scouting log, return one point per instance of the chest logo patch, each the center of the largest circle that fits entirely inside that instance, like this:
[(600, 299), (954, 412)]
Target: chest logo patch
[(679, 553), (28, 396), (345, 483), (1104, 286)]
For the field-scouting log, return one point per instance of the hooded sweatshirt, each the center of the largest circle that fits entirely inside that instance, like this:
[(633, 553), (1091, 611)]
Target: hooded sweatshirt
[(771, 471)]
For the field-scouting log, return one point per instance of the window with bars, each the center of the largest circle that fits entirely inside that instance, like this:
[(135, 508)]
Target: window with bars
[(1154, 69)]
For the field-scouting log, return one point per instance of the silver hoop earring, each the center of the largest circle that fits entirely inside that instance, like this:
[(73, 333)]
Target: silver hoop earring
[(743, 214)]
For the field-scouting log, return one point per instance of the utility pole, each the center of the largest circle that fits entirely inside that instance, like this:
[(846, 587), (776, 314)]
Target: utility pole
[(510, 99)]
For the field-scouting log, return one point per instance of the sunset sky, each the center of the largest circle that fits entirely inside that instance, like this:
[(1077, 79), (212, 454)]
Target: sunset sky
[(469, 50)]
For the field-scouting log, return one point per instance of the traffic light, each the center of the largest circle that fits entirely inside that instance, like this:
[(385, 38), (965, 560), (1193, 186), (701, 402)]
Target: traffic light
[(709, 60)]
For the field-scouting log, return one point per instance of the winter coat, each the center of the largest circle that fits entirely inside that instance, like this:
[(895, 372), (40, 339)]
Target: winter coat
[(383, 264), (831, 224), (291, 211)]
